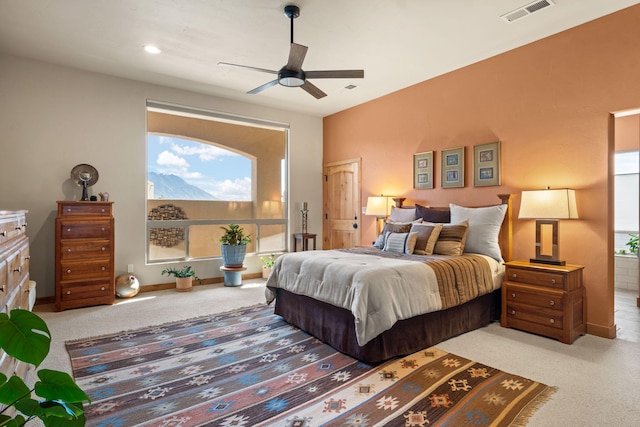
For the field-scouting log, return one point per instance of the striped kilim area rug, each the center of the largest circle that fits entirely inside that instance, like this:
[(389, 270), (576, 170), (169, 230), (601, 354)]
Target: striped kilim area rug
[(250, 368)]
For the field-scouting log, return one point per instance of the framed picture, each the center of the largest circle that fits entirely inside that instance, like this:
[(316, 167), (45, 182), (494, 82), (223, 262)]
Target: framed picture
[(486, 164), (452, 168), (423, 170)]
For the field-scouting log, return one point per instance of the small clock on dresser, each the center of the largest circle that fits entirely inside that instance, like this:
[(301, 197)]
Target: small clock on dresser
[(544, 299)]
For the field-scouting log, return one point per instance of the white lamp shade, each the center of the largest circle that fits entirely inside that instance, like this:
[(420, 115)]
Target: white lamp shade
[(377, 205), (548, 204)]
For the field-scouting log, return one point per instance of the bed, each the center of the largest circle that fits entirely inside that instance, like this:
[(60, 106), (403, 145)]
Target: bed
[(375, 303)]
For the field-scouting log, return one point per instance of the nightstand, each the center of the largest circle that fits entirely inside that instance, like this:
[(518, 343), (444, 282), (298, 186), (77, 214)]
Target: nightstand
[(544, 299)]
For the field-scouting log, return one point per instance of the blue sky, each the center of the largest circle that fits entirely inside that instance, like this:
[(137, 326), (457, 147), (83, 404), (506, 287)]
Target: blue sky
[(224, 174)]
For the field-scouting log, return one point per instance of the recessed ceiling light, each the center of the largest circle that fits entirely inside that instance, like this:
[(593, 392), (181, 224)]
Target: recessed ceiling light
[(149, 48)]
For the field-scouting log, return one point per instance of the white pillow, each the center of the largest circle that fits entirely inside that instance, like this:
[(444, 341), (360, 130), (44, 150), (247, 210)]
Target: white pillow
[(484, 228), (402, 214)]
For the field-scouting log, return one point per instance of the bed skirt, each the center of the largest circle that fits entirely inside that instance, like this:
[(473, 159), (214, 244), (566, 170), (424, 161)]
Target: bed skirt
[(335, 325)]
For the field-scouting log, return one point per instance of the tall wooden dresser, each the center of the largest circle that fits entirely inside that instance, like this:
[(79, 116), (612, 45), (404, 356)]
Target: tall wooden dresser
[(14, 276), (84, 254)]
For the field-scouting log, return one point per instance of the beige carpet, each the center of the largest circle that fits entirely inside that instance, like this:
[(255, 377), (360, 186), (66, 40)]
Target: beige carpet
[(597, 378)]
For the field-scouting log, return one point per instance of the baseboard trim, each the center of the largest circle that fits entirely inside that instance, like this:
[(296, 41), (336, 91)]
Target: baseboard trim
[(602, 331), (163, 286)]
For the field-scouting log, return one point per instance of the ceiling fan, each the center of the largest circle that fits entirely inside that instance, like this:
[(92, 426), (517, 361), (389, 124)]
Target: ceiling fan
[(292, 74)]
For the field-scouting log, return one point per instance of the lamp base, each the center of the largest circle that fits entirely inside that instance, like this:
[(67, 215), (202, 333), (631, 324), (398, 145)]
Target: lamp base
[(547, 261)]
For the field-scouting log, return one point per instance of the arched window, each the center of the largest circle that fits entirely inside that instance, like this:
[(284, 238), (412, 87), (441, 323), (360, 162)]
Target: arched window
[(206, 170)]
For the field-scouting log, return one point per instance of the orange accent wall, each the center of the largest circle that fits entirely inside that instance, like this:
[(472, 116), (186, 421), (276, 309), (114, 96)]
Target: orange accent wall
[(550, 105)]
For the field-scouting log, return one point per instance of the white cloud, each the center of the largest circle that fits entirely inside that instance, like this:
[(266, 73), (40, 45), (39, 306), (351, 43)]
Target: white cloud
[(238, 189), (205, 152)]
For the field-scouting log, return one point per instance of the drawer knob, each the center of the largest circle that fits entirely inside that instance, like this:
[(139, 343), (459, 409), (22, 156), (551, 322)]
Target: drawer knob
[(514, 275), (104, 249), (102, 268), (553, 281), (513, 295), (513, 312), (18, 228), (68, 230), (17, 270), (3, 233), (102, 210), (102, 288), (24, 225), (27, 258), (68, 271), (68, 209), (68, 292), (2, 288), (103, 229), (552, 321), (552, 302), (69, 250)]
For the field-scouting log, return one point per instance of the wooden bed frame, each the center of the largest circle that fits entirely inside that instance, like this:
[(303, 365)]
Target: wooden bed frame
[(336, 326)]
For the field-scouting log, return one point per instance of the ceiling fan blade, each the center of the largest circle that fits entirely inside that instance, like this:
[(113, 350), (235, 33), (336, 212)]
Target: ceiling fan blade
[(313, 90), (335, 74), (297, 52), (262, 70), (263, 87)]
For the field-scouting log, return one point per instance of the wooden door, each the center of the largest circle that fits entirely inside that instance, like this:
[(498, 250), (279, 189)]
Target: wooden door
[(342, 206)]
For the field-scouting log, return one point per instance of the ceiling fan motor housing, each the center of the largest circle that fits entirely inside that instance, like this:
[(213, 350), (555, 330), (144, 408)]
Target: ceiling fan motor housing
[(290, 78)]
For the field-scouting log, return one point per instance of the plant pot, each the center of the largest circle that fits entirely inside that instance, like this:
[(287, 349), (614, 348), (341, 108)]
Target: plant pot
[(184, 284), (233, 255), (266, 271)]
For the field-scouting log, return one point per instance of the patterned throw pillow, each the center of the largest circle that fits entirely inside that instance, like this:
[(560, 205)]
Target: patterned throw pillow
[(391, 227), (402, 243), (452, 238), (427, 237)]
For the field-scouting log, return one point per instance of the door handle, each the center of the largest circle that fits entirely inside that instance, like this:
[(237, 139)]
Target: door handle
[(355, 225)]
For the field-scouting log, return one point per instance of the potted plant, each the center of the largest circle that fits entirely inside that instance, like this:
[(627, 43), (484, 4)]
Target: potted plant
[(58, 399), (267, 265), (184, 277), (234, 245), (633, 243)]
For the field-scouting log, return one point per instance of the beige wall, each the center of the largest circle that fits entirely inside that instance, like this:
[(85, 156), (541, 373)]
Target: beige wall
[(548, 102), (52, 118)]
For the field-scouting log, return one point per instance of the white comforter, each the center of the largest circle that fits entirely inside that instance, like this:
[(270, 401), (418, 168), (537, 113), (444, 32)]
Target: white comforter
[(378, 291)]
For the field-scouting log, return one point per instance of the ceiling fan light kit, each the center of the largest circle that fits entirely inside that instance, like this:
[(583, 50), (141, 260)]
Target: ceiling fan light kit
[(292, 74)]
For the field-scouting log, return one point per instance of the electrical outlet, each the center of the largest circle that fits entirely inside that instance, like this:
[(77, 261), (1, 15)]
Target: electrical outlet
[(129, 268)]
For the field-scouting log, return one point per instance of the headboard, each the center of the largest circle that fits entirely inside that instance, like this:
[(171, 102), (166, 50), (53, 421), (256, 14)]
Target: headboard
[(505, 237)]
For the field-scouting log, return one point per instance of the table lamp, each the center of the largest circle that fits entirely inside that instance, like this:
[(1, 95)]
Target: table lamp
[(547, 207), (378, 206)]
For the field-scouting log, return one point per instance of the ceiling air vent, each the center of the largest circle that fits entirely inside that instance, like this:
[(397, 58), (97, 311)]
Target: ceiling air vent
[(527, 10)]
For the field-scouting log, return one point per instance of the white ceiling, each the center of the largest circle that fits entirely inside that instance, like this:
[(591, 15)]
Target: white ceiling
[(397, 42)]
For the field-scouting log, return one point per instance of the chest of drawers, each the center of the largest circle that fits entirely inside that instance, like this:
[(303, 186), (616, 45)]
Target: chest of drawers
[(544, 299), (84, 239)]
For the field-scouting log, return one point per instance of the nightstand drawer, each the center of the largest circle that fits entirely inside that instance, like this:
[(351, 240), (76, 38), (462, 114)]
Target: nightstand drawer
[(522, 294), (534, 315), (540, 278)]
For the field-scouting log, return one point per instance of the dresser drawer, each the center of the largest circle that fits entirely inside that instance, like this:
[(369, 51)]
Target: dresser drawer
[(540, 278), (531, 296), (12, 228), (85, 230), (85, 269), (71, 250), (86, 290), (84, 208)]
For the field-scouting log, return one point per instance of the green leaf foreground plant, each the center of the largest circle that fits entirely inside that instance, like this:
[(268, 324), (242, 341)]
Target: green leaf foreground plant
[(234, 235), (58, 400)]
